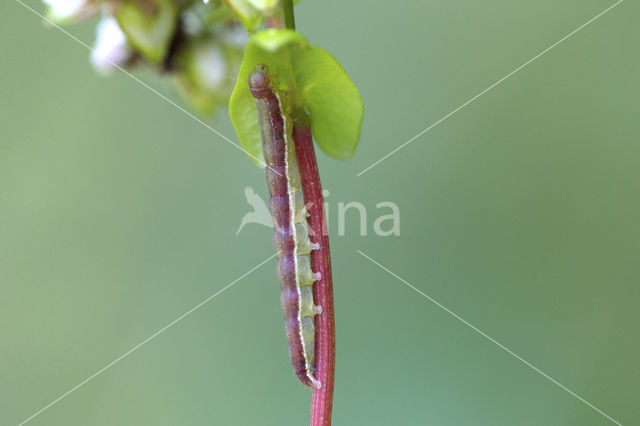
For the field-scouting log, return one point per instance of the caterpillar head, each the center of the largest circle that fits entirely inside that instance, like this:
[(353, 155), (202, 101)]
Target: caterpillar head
[(259, 82)]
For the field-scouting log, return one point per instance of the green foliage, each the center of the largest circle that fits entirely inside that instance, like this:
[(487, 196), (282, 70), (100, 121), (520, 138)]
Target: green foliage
[(332, 100), (247, 12), (264, 4), (201, 56), (253, 12), (314, 83), (149, 30), (204, 66)]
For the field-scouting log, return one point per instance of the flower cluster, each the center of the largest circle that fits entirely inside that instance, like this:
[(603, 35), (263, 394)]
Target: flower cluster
[(197, 45)]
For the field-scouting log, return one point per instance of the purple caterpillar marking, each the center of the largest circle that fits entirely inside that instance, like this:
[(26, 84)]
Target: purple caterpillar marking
[(291, 237)]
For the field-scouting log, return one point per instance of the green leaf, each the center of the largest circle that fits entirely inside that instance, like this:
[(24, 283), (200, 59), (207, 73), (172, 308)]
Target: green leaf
[(332, 100), (252, 12), (272, 48), (201, 73), (264, 4), (149, 30), (316, 84), (247, 13)]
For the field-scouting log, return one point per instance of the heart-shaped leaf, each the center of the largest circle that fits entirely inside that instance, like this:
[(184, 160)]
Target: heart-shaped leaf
[(149, 29)]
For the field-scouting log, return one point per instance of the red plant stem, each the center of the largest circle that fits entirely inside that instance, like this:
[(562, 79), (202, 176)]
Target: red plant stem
[(322, 399)]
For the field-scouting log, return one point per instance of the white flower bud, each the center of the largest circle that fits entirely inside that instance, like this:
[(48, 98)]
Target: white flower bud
[(210, 65), (65, 11), (111, 47)]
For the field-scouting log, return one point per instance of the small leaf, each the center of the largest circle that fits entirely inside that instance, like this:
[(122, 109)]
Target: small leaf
[(201, 74), (264, 4), (149, 30), (320, 87), (332, 100), (247, 13)]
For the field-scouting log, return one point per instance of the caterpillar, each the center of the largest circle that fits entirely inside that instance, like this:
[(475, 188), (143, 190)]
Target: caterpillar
[(291, 230)]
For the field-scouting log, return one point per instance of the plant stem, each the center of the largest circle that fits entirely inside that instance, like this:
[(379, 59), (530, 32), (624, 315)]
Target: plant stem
[(289, 17), (282, 16), (322, 399)]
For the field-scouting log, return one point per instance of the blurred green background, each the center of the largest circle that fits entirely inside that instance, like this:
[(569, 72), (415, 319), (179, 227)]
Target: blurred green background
[(519, 213)]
